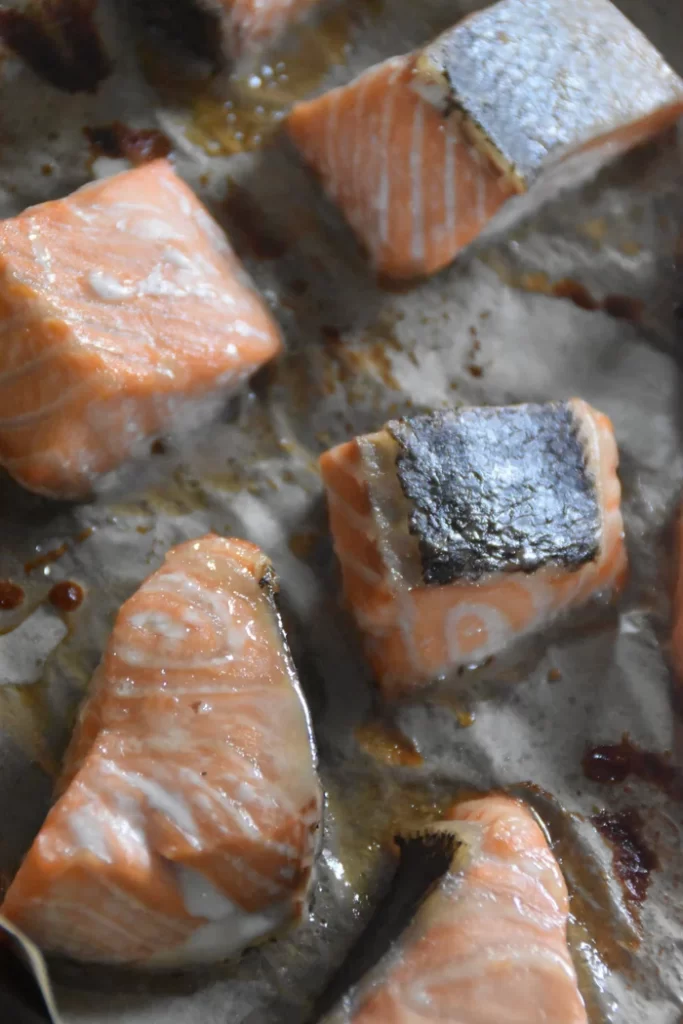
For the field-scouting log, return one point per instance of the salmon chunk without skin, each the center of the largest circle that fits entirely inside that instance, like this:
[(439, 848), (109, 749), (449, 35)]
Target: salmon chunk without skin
[(490, 944), (458, 532), (186, 826), (123, 308), (251, 25), (425, 151)]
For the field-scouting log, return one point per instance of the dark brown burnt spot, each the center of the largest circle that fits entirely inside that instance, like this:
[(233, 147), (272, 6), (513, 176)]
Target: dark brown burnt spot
[(11, 595), (45, 558), (614, 763), (66, 596), (59, 41), (249, 228), (621, 307), (633, 860), (576, 292), (118, 141)]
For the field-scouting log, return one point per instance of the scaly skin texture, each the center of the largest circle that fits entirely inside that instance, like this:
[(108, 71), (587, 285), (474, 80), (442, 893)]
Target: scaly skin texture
[(417, 631)]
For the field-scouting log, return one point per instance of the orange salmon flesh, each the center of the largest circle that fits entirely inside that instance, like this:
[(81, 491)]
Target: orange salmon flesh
[(189, 808), (123, 306), (416, 633), (490, 944), (423, 151)]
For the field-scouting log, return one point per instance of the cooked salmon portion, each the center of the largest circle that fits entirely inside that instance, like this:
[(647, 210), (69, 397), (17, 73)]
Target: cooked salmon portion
[(459, 532), (123, 309), (190, 805), (516, 95), (248, 26), (490, 943), (411, 185)]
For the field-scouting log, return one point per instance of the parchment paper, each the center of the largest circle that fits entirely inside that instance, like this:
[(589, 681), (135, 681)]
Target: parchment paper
[(478, 333)]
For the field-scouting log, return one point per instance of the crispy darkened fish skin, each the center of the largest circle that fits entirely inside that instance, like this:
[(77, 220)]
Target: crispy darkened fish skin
[(533, 81), (498, 489)]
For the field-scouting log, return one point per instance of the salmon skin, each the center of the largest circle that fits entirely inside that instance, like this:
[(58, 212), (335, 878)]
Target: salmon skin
[(490, 943), (677, 604), (187, 824), (124, 312), (424, 152), (458, 532)]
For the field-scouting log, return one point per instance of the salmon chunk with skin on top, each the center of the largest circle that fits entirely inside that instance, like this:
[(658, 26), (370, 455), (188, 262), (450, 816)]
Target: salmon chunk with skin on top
[(186, 829), (459, 532), (490, 943), (123, 310), (425, 151)]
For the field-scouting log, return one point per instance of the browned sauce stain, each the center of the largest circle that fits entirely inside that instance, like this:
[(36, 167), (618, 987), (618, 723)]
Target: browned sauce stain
[(621, 307), (554, 675), (633, 860), (66, 596), (303, 544), (576, 292), (158, 447), (59, 41), (46, 558), (11, 595), (43, 558), (243, 112), (613, 763), (117, 140), (387, 744), (248, 226), (475, 371)]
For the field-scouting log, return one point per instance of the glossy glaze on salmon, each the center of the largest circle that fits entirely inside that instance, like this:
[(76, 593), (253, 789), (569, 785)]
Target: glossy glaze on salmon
[(512, 94), (459, 532), (490, 944), (189, 809), (124, 310)]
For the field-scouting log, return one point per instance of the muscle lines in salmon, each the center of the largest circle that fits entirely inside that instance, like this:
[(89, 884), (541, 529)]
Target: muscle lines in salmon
[(490, 944), (123, 309), (423, 151), (458, 532), (189, 808)]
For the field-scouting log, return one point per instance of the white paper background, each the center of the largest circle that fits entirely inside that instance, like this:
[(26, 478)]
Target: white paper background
[(252, 475)]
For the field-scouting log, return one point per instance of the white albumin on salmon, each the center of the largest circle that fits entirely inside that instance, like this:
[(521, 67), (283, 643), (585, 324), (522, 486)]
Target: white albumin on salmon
[(124, 310), (186, 829), (459, 532), (490, 944), (423, 151)]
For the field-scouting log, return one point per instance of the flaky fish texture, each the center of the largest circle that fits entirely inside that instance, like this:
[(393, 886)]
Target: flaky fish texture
[(187, 824)]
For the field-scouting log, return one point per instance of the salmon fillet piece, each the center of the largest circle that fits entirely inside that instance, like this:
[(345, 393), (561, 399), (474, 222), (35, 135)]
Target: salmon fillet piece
[(425, 151), (459, 532), (248, 26), (190, 804), (490, 944), (123, 308)]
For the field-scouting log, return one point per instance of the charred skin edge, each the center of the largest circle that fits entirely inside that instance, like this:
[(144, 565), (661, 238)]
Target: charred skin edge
[(425, 857), (59, 41), (432, 75), (188, 23), (470, 507)]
